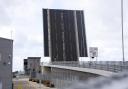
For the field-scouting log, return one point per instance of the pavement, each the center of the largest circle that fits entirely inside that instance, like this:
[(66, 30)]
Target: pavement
[(23, 83)]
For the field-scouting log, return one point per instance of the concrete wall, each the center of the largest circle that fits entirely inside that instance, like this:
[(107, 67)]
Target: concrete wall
[(6, 54), (63, 77)]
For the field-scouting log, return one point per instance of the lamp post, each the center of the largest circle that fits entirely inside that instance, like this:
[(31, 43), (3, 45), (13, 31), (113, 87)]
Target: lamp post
[(122, 26)]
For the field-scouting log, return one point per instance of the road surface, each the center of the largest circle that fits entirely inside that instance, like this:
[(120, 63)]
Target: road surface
[(25, 84)]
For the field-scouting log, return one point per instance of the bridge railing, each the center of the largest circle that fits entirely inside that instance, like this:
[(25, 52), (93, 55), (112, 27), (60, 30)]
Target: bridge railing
[(113, 66)]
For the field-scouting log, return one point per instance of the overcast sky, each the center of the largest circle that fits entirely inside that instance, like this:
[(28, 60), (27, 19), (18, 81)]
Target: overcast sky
[(102, 20)]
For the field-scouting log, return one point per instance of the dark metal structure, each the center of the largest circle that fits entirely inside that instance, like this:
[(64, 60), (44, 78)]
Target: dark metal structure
[(26, 70), (64, 34)]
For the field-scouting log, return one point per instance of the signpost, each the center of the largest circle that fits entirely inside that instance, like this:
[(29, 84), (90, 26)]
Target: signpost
[(93, 51)]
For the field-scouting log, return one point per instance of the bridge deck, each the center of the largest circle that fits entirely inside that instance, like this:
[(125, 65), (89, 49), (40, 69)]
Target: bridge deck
[(88, 70)]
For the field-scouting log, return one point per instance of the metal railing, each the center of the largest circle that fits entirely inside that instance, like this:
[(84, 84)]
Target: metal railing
[(113, 66)]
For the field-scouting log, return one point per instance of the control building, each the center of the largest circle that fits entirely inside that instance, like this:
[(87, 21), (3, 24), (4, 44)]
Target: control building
[(64, 34), (6, 54), (32, 66)]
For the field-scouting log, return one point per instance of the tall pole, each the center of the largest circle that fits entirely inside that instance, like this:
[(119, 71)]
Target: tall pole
[(122, 25), (11, 34)]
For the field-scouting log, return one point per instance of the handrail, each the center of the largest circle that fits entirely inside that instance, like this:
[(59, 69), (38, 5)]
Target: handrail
[(113, 66)]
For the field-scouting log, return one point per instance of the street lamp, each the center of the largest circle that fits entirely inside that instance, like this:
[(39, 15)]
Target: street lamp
[(122, 25)]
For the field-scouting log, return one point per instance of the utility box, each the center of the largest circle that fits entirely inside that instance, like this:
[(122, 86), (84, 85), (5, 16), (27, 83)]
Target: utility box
[(6, 54)]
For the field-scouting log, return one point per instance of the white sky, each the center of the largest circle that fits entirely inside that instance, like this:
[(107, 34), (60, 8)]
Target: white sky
[(102, 21)]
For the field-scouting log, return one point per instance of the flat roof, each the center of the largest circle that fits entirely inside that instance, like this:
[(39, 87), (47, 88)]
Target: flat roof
[(6, 38)]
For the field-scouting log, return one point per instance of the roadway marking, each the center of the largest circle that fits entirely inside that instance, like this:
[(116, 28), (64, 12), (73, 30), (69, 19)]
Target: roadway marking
[(20, 86)]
